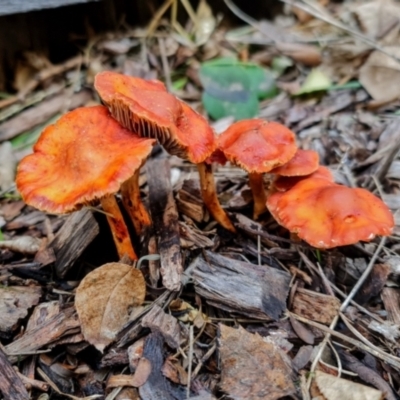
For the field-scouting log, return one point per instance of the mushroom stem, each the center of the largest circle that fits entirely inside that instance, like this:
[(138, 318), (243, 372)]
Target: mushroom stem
[(259, 197), (210, 197), (130, 191), (118, 227)]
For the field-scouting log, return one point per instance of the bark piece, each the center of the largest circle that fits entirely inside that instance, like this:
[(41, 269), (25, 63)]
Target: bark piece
[(15, 302), (11, 384), (71, 240), (165, 219), (256, 291), (167, 325), (315, 306), (391, 300), (373, 284), (252, 368), (64, 323), (156, 386)]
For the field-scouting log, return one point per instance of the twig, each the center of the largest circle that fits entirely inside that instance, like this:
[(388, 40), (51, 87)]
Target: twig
[(377, 353), (343, 307), (164, 61), (190, 361)]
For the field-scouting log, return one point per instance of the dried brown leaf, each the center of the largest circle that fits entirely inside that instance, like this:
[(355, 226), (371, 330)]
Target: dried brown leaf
[(104, 301), (334, 388), (252, 368), (378, 74)]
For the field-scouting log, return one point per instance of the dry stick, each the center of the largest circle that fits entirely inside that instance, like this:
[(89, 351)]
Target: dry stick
[(333, 22), (118, 227), (130, 191), (375, 351), (165, 65), (210, 197), (336, 289), (190, 361), (343, 307)]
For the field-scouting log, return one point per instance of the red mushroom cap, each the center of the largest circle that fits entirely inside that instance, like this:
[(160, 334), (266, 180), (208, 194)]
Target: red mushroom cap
[(328, 215), (284, 183), (148, 109), (304, 162), (257, 145), (85, 155)]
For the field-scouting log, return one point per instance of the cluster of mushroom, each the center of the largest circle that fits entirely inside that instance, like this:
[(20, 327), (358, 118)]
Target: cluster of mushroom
[(93, 152), (303, 196)]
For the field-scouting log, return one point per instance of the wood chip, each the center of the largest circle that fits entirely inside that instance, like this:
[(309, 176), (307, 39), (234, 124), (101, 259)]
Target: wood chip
[(71, 240), (315, 306), (256, 291), (167, 325), (11, 384), (165, 219), (66, 322), (15, 302)]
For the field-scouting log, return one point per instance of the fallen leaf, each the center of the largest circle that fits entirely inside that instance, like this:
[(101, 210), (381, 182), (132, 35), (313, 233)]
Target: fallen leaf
[(378, 74), (138, 379), (252, 368), (315, 81), (377, 17), (22, 244), (14, 304), (104, 301), (334, 388)]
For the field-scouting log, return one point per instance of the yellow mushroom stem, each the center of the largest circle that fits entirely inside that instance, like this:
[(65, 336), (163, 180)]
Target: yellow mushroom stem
[(118, 227), (133, 204), (210, 197), (259, 196)]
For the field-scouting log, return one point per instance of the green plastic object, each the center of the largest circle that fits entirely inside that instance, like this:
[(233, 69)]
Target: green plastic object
[(234, 88)]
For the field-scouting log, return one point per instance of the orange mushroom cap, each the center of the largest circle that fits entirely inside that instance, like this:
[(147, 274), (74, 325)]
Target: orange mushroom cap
[(85, 155), (328, 215), (284, 183), (147, 108), (257, 145), (304, 162)]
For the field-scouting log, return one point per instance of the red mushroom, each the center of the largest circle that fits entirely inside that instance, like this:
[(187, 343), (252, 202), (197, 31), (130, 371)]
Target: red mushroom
[(257, 146), (146, 108), (304, 162), (284, 183), (85, 156), (328, 215)]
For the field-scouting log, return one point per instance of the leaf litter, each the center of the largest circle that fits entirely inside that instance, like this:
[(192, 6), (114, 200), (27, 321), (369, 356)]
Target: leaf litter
[(251, 315)]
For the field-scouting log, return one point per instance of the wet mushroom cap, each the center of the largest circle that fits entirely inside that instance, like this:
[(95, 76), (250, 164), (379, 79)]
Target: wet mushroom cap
[(195, 139), (138, 104), (328, 215), (284, 183), (84, 156), (257, 145), (304, 162), (148, 109)]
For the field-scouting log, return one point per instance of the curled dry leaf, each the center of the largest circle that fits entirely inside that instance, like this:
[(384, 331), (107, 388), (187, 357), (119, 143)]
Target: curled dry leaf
[(378, 74), (104, 301), (22, 244), (334, 388)]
